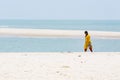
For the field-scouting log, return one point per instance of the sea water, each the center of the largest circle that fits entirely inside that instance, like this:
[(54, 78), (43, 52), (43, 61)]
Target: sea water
[(16, 44)]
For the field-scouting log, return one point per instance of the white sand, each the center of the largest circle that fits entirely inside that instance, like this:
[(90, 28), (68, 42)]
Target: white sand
[(60, 66), (20, 32)]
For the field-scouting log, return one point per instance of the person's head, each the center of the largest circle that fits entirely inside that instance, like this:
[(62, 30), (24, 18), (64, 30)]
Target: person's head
[(86, 32)]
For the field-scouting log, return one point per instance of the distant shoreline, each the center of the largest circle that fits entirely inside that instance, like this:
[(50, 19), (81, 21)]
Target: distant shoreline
[(55, 33)]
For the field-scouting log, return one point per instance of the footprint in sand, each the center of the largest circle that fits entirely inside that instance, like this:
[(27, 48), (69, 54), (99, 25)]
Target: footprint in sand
[(65, 66), (63, 73)]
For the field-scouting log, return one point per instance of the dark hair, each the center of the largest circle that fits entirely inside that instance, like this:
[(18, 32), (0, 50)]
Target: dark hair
[(86, 32)]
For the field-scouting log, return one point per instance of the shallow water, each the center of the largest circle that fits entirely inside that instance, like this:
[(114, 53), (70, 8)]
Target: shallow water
[(14, 44)]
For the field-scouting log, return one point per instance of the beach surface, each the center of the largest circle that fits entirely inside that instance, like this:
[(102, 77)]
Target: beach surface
[(35, 33), (60, 66)]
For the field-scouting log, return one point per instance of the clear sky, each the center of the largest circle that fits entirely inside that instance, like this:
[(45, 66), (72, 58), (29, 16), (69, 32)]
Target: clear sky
[(60, 9)]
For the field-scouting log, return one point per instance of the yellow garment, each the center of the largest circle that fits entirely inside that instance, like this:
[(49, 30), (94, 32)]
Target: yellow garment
[(87, 42)]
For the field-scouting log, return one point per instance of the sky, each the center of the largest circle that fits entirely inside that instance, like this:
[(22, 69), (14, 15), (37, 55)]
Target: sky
[(60, 9)]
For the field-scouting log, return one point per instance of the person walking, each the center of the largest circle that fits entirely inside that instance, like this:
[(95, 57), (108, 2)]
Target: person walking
[(88, 43)]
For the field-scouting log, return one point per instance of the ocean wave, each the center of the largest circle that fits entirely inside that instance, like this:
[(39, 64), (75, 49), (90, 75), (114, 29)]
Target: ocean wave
[(4, 26)]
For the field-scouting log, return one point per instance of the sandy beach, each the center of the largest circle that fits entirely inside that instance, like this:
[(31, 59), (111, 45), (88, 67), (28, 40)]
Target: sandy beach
[(35, 33), (60, 66)]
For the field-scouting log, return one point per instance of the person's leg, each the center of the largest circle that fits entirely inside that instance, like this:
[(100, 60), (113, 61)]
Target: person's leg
[(85, 50), (90, 47), (85, 47)]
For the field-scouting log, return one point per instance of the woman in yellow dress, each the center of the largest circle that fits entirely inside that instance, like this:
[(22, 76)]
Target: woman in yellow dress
[(87, 42)]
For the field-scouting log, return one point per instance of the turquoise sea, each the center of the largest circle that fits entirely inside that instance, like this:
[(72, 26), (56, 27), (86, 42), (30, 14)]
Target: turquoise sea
[(15, 44)]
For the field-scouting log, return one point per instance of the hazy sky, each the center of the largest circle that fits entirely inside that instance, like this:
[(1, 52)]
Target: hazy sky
[(60, 9)]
